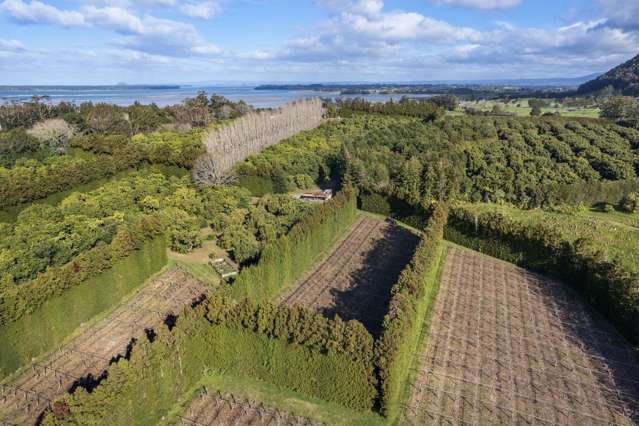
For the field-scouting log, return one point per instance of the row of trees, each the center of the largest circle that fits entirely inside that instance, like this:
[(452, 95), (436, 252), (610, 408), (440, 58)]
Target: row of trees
[(51, 248), (609, 285), (18, 300), (102, 118), (44, 235), (250, 134), (413, 296), (424, 109), (30, 180)]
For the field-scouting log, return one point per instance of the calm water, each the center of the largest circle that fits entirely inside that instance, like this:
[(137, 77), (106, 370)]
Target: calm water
[(122, 95)]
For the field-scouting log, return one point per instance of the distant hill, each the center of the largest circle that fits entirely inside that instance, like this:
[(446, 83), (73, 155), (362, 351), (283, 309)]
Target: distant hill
[(624, 78)]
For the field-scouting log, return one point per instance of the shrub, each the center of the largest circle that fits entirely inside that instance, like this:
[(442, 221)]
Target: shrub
[(630, 203)]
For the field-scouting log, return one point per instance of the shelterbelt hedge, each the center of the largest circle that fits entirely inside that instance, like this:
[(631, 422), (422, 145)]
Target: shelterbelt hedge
[(287, 346), (413, 295), (94, 158)]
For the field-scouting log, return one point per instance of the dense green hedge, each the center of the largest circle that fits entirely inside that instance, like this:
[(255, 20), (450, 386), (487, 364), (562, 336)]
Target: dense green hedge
[(47, 327), (34, 180), (287, 346), (95, 158), (16, 300), (412, 298), (388, 205), (284, 260), (590, 193), (607, 285)]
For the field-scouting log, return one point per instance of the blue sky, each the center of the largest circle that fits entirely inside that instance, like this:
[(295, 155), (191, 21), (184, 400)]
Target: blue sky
[(179, 41)]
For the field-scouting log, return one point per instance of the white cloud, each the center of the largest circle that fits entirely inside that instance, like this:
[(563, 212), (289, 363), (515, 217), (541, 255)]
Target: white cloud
[(397, 26), (204, 9), (164, 36), (621, 13), (482, 4), (115, 18), (37, 12), (145, 34), (11, 45)]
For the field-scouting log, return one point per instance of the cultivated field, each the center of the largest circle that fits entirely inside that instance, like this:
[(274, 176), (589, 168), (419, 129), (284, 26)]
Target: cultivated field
[(354, 281), (224, 409), (507, 346), (82, 361)]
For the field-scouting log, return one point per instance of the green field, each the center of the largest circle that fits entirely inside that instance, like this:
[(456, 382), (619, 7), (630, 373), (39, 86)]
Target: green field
[(615, 234), (521, 108), (49, 326)]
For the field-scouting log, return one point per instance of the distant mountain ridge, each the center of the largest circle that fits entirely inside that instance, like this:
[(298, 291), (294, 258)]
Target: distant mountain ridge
[(623, 78)]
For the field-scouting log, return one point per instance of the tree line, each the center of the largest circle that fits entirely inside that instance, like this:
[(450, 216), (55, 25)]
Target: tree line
[(413, 295), (284, 260), (103, 118), (30, 180), (248, 135), (425, 109)]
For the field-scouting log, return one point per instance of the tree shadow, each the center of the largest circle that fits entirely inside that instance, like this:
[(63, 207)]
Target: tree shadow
[(368, 293)]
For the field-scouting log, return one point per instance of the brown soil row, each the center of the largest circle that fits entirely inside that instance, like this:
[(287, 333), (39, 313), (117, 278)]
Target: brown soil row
[(354, 281), (223, 409), (83, 360), (507, 346)]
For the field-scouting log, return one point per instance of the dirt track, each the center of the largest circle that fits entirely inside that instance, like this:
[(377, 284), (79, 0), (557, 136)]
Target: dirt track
[(507, 346), (354, 281), (83, 360), (219, 409)]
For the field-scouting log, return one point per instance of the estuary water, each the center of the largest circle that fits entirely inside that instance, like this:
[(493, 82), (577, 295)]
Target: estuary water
[(168, 95)]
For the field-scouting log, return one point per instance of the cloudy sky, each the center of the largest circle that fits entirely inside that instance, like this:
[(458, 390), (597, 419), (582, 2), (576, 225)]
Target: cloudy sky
[(177, 41)]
